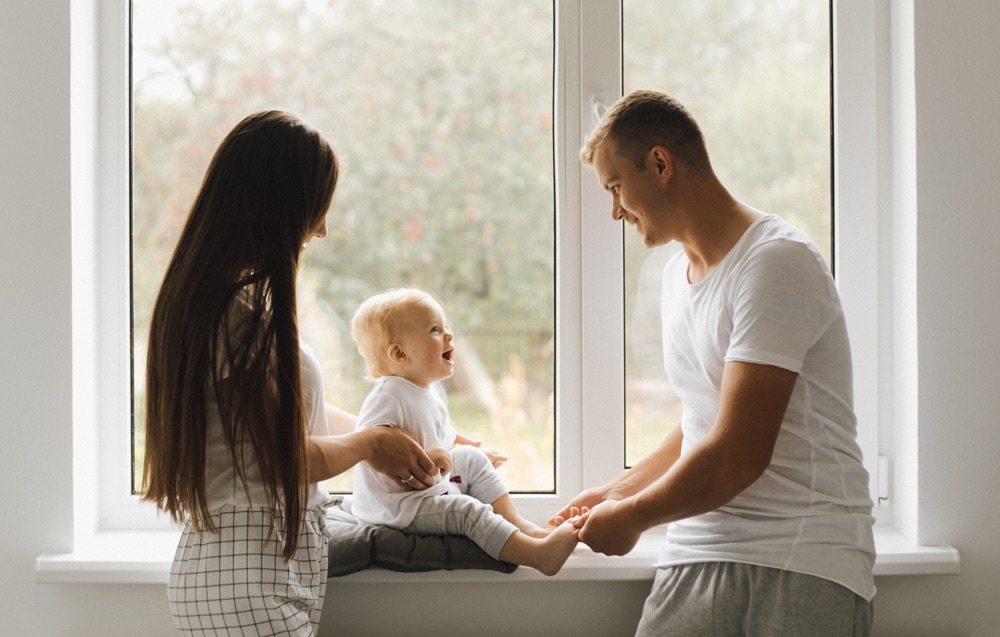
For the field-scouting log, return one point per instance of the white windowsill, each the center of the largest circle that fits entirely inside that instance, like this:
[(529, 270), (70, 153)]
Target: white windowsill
[(137, 557)]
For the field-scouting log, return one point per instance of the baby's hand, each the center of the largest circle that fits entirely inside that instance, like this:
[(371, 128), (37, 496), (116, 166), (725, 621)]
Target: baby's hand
[(441, 458), (461, 439), (495, 457)]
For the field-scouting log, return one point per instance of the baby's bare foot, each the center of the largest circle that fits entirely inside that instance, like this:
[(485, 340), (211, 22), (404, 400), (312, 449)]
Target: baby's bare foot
[(533, 530), (559, 545)]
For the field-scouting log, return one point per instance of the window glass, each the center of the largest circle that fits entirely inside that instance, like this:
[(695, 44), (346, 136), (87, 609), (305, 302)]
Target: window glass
[(756, 75), (443, 113)]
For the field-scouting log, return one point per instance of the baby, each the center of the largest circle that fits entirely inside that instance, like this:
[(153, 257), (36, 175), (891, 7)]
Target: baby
[(404, 339)]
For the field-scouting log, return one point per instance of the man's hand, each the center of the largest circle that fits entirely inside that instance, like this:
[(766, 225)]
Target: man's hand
[(606, 529), (586, 500)]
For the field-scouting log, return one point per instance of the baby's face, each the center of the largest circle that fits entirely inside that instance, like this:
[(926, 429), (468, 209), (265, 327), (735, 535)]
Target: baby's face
[(427, 343)]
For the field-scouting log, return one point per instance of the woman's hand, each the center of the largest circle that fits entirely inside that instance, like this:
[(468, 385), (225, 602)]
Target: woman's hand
[(395, 452)]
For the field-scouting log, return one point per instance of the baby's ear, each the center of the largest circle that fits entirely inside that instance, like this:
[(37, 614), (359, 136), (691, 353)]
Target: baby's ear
[(396, 353)]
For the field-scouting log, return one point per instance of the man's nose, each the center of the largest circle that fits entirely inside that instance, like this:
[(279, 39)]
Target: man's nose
[(617, 212)]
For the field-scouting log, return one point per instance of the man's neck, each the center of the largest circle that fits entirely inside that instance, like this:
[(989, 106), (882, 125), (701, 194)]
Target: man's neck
[(717, 224)]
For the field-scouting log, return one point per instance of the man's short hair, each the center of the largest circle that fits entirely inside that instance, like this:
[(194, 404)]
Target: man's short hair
[(643, 119)]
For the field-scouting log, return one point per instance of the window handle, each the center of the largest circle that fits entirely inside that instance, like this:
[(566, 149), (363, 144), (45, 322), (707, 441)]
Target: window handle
[(598, 107)]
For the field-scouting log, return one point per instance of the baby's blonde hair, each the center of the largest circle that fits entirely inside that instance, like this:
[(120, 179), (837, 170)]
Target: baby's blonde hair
[(376, 326)]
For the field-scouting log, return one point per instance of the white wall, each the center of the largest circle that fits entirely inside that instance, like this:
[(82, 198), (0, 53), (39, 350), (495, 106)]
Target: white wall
[(957, 92), (957, 302)]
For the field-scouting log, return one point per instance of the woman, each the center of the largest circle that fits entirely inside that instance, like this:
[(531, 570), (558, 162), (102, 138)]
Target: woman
[(236, 426)]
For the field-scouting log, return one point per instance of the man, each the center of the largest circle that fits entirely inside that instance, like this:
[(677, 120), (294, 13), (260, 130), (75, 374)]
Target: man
[(762, 483)]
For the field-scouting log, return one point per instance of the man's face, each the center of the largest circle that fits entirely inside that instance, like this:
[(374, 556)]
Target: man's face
[(636, 195)]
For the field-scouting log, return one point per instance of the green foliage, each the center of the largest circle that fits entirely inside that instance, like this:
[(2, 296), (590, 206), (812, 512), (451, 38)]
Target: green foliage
[(444, 120)]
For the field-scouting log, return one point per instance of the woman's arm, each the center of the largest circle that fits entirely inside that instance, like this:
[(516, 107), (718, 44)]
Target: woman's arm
[(338, 421), (389, 450)]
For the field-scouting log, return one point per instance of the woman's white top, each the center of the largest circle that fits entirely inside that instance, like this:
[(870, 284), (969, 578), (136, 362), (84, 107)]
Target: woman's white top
[(222, 483)]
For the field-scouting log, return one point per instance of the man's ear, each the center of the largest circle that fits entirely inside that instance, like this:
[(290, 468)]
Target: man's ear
[(662, 162)]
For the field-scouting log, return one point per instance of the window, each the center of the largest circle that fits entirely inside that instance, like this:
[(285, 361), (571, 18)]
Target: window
[(519, 120), (443, 112), (756, 75)]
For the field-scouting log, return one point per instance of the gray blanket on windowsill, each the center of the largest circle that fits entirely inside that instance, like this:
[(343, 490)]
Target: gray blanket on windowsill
[(355, 546)]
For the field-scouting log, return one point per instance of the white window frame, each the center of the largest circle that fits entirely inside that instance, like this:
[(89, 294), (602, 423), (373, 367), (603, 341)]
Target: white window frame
[(859, 30), (590, 333)]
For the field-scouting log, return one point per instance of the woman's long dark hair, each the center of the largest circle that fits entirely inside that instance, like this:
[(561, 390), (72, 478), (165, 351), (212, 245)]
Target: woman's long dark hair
[(225, 320)]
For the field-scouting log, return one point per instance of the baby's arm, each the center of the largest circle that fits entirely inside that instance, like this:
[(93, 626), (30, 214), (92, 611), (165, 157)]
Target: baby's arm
[(461, 439), (496, 458)]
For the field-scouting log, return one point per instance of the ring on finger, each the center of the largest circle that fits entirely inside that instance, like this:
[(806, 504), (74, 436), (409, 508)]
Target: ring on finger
[(407, 480)]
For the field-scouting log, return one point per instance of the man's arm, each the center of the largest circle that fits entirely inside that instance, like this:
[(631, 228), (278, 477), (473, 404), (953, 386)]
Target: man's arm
[(641, 475), (735, 453)]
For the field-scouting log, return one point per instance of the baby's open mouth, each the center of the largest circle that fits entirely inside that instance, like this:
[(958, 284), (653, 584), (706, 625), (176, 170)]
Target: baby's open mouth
[(447, 355)]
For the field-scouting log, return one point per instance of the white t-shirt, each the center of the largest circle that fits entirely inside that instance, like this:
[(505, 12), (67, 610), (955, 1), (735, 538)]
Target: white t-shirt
[(773, 301), (222, 483), (395, 401)]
